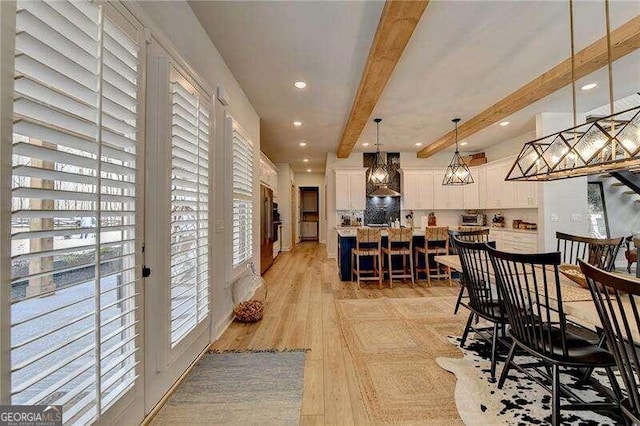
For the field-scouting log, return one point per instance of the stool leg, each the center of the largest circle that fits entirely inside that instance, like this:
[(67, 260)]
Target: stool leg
[(352, 265), (390, 267), (449, 274), (380, 269), (413, 283), (427, 268), (358, 269), (404, 267)]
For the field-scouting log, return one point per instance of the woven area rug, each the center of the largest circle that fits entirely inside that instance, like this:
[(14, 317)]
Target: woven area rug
[(394, 344), (521, 401), (238, 389)]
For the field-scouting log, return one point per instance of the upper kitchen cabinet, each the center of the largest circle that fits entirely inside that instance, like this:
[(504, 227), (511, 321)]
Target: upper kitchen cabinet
[(482, 186), (471, 198), (526, 193), (269, 174), (500, 194), (351, 189), (417, 190), (447, 196)]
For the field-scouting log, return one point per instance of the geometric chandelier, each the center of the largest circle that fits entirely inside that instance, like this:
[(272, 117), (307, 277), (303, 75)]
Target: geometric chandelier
[(607, 144), (604, 145), (457, 172), (379, 171)]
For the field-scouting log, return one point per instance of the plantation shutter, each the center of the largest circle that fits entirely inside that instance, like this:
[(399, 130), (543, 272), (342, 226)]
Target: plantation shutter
[(189, 209), (73, 230), (242, 199)]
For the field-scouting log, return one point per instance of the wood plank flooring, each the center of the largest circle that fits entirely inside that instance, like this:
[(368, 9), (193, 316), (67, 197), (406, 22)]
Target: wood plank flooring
[(300, 313)]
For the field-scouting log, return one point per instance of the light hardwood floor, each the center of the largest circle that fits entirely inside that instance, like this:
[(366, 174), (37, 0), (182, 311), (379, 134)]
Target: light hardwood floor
[(300, 313)]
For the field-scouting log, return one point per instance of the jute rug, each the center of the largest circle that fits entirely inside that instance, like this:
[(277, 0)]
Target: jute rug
[(394, 344), (521, 401), (238, 389)]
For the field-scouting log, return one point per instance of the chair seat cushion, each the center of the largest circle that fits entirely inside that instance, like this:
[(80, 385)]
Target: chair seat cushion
[(399, 250), (365, 251)]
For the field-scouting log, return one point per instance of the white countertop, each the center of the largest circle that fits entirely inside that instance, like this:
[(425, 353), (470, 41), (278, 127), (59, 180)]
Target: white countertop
[(350, 231)]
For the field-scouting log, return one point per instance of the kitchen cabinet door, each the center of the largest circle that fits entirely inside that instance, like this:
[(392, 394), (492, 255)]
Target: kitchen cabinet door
[(482, 187), (425, 190), (494, 187), (447, 197), (471, 193), (358, 190), (410, 190), (343, 191)]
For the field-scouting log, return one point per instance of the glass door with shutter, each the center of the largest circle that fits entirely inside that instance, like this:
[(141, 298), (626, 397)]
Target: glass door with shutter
[(76, 204), (177, 222)]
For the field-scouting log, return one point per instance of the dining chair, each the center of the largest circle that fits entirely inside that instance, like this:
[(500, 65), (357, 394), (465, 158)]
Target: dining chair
[(436, 242), (599, 252), (399, 243), (529, 285), (484, 298), (479, 235), (368, 244), (615, 298)]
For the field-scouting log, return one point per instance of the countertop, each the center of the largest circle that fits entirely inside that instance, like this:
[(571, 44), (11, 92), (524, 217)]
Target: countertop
[(350, 231)]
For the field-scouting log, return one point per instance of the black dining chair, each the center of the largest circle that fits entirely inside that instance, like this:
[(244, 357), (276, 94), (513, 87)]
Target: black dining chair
[(484, 299), (478, 235), (529, 285), (598, 252), (618, 311)]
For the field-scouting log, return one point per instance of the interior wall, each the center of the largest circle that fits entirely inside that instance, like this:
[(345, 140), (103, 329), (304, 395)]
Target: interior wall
[(317, 180), (177, 23), (285, 180)]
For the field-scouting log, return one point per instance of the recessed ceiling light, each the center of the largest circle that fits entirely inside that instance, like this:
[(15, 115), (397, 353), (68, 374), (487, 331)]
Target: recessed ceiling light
[(306, 160), (418, 143), (589, 86), (308, 170), (365, 143), (302, 144), (463, 143), (297, 123), (300, 84), (504, 123)]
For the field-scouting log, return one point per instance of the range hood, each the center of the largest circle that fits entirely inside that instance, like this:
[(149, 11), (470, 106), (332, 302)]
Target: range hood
[(384, 191)]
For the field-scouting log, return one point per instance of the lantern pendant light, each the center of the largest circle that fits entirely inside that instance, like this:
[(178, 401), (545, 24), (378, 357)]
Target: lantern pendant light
[(458, 172), (379, 173)]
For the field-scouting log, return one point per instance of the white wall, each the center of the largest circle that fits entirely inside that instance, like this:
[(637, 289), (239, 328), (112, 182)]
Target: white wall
[(176, 21), (285, 180), (317, 180)]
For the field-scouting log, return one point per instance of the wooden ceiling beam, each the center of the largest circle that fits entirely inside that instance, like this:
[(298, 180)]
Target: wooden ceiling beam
[(397, 22), (624, 40)]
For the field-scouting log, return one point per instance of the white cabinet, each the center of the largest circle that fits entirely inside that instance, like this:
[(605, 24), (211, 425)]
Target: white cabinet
[(446, 196), (482, 187), (526, 193), (500, 194), (268, 174), (417, 190), (514, 241), (471, 194), (351, 189)]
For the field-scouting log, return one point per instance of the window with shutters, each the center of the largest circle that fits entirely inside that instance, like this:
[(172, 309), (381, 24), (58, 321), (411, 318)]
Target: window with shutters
[(242, 198), (75, 271), (189, 208)]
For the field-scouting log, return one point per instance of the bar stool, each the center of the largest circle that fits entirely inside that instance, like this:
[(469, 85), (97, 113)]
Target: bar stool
[(436, 242), (372, 241), (400, 243)]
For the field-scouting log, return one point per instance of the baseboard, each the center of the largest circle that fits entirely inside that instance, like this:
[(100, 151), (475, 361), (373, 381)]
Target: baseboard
[(286, 248), (221, 326)]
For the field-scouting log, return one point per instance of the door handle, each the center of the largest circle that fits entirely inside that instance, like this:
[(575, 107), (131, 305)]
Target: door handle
[(146, 271)]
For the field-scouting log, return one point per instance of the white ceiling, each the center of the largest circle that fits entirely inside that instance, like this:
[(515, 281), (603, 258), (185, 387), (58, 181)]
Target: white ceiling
[(463, 57)]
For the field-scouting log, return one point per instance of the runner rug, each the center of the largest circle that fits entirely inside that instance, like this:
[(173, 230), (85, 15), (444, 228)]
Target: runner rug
[(394, 344), (238, 389)]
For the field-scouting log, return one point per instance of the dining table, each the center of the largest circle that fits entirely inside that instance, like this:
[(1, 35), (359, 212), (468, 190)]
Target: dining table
[(577, 301)]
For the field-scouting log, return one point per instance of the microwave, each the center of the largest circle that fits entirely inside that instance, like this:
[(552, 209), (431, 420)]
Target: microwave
[(478, 219)]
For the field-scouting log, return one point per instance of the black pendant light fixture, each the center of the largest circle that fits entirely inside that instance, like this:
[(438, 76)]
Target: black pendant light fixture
[(379, 173), (457, 172)]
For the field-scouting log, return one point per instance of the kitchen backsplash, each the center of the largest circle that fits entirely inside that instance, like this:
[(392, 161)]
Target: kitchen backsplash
[(383, 209)]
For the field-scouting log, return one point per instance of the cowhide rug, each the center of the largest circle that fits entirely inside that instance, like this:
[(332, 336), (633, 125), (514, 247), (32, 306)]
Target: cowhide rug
[(521, 401)]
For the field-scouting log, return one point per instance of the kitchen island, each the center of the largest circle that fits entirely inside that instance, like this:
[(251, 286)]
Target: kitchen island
[(347, 241)]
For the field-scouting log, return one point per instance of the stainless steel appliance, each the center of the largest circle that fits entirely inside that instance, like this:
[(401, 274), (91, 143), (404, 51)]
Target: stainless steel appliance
[(474, 219), (266, 228)]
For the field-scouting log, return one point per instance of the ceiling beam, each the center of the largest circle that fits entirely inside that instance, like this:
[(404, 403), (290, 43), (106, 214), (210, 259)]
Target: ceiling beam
[(624, 40), (398, 20)]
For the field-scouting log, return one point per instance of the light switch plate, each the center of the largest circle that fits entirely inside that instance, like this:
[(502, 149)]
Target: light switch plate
[(220, 225), (554, 217), (576, 217)]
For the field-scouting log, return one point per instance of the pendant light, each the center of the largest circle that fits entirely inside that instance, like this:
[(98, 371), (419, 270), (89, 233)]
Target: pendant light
[(604, 145), (379, 174), (458, 172)]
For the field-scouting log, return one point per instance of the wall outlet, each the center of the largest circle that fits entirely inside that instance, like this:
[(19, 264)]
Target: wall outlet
[(576, 217), (554, 217), (220, 225)]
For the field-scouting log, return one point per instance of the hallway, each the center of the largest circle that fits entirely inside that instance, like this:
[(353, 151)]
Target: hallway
[(303, 286)]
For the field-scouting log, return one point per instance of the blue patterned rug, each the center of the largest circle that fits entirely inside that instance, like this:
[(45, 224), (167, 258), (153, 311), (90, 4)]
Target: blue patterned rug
[(521, 401), (238, 388)]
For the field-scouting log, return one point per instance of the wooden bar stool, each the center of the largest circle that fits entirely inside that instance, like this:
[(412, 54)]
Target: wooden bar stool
[(400, 243), (436, 242), (371, 241)]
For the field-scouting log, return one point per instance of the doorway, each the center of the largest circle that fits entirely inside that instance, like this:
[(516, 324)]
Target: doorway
[(309, 213)]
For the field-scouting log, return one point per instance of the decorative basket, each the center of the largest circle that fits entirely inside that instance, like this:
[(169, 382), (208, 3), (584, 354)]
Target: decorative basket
[(251, 310)]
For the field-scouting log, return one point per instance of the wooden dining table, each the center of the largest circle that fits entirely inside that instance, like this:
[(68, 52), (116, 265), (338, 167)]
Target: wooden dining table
[(577, 301)]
